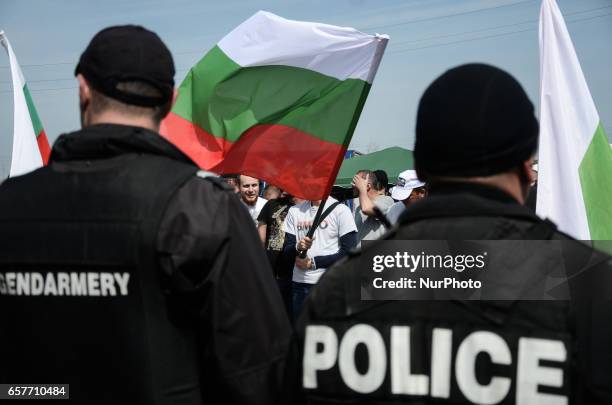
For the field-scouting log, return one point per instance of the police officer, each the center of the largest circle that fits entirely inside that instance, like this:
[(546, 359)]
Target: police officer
[(475, 137), (119, 271)]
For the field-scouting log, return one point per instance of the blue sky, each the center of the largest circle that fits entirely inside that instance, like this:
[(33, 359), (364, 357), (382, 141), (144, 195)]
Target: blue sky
[(427, 38)]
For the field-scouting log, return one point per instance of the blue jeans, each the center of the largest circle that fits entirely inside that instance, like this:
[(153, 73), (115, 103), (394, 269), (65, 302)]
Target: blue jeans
[(299, 292)]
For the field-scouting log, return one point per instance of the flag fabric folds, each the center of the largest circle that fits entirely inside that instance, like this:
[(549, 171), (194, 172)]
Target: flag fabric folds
[(575, 159), (276, 99), (30, 145)]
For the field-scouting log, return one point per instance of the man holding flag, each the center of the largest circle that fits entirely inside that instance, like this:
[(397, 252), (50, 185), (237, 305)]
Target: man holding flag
[(334, 235)]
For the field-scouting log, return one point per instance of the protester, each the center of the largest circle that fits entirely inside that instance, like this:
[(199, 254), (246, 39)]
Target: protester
[(332, 239), (271, 220), (407, 190), (233, 181), (271, 192), (249, 193), (124, 271), (373, 203), (454, 351)]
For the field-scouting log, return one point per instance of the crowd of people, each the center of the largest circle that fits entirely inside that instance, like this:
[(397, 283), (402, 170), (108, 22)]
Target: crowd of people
[(283, 222), (135, 277)]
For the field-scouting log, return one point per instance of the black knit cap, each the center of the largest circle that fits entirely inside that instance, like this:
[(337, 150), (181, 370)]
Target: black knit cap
[(128, 53), (474, 120)]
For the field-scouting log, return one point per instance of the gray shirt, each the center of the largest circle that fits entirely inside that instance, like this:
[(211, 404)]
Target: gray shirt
[(395, 211), (369, 228)]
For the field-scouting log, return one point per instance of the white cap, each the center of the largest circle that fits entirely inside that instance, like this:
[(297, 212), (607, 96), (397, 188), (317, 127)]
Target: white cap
[(406, 182)]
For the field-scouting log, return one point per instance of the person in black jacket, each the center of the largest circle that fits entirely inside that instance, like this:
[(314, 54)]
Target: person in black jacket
[(119, 271), (475, 137)]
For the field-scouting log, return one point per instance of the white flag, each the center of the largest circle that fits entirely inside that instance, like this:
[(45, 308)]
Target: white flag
[(30, 146), (575, 160)]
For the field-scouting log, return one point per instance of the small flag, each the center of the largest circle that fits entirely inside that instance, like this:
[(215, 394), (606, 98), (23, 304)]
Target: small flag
[(30, 145), (575, 159), (277, 99)]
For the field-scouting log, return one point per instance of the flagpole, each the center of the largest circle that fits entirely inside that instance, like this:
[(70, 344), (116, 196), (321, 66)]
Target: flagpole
[(382, 45), (313, 228)]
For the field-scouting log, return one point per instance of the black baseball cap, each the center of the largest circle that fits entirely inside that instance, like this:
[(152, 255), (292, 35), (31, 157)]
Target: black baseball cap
[(474, 120), (128, 53)]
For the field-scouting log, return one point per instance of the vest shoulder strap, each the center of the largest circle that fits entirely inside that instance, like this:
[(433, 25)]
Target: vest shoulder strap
[(326, 213)]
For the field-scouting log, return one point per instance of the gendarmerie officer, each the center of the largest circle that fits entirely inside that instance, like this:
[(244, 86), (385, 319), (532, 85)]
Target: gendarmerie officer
[(126, 272), (475, 137)]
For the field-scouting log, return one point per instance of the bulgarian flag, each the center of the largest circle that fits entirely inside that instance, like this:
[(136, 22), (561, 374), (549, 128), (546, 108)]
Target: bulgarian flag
[(278, 100), (575, 159), (30, 145)]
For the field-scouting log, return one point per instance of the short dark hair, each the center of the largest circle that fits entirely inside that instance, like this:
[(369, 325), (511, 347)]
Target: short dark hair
[(378, 178), (101, 102)]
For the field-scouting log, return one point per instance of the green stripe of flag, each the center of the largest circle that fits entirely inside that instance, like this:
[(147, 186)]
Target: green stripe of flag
[(38, 128), (225, 99), (597, 188)]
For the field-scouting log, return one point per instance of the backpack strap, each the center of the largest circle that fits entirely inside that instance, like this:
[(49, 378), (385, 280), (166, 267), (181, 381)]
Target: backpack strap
[(317, 221), (325, 214)]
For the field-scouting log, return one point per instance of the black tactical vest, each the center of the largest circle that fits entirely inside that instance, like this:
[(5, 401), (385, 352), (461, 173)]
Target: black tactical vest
[(81, 295), (444, 352)]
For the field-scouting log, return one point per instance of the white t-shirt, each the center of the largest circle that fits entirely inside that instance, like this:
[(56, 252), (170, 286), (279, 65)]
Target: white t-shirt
[(255, 208), (338, 223), (395, 211)]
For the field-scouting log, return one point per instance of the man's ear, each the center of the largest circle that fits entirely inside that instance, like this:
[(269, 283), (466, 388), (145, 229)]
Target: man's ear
[(84, 89), (85, 95), (528, 172)]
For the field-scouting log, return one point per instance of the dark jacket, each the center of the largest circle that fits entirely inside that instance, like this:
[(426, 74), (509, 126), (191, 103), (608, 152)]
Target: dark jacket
[(130, 275), (409, 351)]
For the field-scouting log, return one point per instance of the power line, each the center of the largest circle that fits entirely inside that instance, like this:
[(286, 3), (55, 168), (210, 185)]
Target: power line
[(383, 26), (444, 16), (40, 64), (39, 90), (364, 28), (492, 28), (396, 51), (74, 63), (62, 79), (62, 88), (41, 80)]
